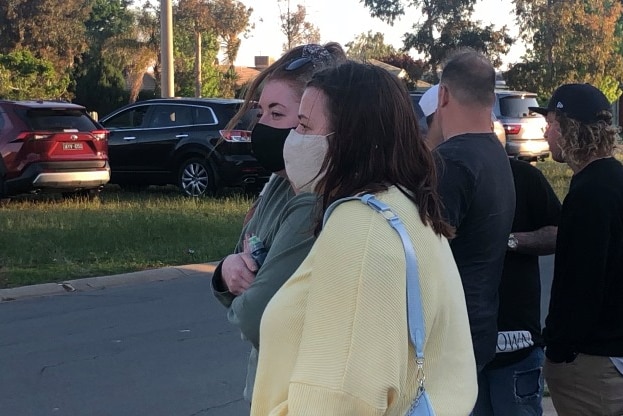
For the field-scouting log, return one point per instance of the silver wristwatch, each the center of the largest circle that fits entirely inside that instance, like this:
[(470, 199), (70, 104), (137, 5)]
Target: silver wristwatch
[(512, 242)]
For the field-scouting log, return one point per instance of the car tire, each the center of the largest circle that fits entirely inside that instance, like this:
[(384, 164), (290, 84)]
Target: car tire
[(195, 177)]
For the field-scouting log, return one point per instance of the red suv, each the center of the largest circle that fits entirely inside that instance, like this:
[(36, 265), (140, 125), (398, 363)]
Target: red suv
[(51, 146)]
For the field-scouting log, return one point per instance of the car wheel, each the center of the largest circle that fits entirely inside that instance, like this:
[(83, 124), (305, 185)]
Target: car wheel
[(195, 177)]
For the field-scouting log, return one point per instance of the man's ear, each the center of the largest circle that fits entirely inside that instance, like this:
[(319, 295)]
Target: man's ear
[(443, 96)]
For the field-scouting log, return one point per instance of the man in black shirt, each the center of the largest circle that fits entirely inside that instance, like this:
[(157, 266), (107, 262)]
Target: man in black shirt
[(584, 328), (512, 384), (477, 190)]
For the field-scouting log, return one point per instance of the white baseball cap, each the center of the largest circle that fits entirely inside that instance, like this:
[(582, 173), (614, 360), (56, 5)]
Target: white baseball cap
[(428, 101)]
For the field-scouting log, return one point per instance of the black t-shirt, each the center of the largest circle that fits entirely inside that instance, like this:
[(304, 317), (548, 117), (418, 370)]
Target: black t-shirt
[(586, 304), (478, 193), (519, 314)]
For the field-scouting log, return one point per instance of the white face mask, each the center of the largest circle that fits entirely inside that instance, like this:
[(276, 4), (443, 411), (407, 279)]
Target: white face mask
[(303, 155)]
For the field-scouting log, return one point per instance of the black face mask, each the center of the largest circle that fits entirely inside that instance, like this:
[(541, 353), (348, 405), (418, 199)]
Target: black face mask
[(267, 143)]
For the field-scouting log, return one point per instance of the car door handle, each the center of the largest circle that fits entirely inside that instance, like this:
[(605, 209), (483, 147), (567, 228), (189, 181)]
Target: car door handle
[(181, 136), (129, 138)]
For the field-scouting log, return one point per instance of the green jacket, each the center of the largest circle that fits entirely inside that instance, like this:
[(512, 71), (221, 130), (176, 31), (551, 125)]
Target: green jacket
[(284, 222)]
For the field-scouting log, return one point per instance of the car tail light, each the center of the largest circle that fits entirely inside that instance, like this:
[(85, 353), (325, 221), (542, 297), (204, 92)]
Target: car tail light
[(512, 128), (100, 134), (236, 135), (29, 135)]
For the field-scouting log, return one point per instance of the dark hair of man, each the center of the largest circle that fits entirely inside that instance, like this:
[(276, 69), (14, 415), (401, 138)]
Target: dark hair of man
[(376, 141), (297, 78), (580, 142), (470, 78)]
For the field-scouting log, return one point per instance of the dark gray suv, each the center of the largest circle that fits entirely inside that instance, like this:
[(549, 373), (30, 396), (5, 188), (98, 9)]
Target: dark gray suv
[(524, 128)]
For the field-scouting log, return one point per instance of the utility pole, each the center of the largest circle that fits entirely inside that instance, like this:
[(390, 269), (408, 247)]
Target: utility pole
[(166, 49)]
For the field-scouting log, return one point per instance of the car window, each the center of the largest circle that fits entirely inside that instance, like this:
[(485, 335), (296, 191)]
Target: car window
[(203, 115), (171, 116), (248, 119), (128, 119), (517, 106), (48, 119)]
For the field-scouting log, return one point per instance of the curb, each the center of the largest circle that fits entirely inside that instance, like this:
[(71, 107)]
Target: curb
[(102, 282)]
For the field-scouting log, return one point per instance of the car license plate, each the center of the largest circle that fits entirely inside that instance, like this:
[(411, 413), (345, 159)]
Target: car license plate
[(72, 146)]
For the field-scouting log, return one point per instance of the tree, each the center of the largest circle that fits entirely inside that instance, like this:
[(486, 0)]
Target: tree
[(369, 46), (137, 49), (296, 28), (196, 14), (99, 82), (413, 68), (52, 30), (220, 21), (569, 41), (23, 76), (447, 25), (232, 18)]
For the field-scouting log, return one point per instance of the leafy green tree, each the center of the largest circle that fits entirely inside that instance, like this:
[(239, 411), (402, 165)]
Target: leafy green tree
[(137, 49), (446, 26), (219, 23), (108, 19), (50, 29), (569, 41), (369, 46), (100, 84), (184, 43), (101, 87), (23, 76), (295, 27), (232, 19)]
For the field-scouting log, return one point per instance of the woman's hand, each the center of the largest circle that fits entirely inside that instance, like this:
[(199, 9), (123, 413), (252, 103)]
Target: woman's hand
[(238, 272)]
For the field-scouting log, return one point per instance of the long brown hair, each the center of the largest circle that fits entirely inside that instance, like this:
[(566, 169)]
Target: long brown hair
[(377, 142), (320, 57)]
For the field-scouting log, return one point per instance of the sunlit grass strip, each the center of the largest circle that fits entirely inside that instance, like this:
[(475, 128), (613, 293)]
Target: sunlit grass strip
[(49, 241)]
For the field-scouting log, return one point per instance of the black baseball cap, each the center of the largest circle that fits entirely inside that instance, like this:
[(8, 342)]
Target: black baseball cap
[(581, 102)]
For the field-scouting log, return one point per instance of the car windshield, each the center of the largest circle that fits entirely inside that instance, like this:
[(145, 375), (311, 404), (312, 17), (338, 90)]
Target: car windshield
[(517, 106)]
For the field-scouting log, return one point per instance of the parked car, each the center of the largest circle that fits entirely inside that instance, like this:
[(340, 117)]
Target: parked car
[(524, 128), (49, 146), (498, 128), (177, 141)]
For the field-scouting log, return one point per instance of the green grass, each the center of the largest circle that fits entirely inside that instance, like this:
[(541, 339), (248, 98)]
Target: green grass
[(46, 239), (558, 175)]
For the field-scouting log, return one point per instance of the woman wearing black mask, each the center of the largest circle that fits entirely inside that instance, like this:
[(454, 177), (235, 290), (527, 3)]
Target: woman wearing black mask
[(281, 219)]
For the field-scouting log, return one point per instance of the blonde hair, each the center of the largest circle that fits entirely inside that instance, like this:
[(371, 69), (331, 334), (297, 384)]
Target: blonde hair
[(580, 142)]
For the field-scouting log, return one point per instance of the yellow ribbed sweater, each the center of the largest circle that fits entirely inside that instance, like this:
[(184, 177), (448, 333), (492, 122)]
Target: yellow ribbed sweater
[(334, 339)]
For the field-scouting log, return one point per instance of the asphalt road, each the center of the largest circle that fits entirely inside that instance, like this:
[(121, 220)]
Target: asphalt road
[(154, 348), (158, 348)]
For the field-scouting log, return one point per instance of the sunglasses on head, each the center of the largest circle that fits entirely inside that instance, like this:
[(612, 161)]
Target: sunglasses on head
[(298, 63)]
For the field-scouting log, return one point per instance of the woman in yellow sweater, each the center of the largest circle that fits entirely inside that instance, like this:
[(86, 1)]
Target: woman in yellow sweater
[(335, 338)]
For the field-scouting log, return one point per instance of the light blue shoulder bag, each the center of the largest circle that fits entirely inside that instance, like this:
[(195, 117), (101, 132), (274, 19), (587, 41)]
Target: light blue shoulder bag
[(415, 314)]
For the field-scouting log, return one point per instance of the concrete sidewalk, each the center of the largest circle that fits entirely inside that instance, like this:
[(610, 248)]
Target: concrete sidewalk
[(102, 282)]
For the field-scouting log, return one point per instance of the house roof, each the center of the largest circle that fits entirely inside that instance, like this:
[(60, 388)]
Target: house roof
[(399, 72), (245, 74)]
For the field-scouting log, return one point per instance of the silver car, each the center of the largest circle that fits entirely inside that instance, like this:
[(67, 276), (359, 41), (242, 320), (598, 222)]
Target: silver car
[(524, 128)]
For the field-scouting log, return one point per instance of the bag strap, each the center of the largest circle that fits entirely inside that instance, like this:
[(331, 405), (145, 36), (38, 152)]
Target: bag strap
[(415, 312)]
